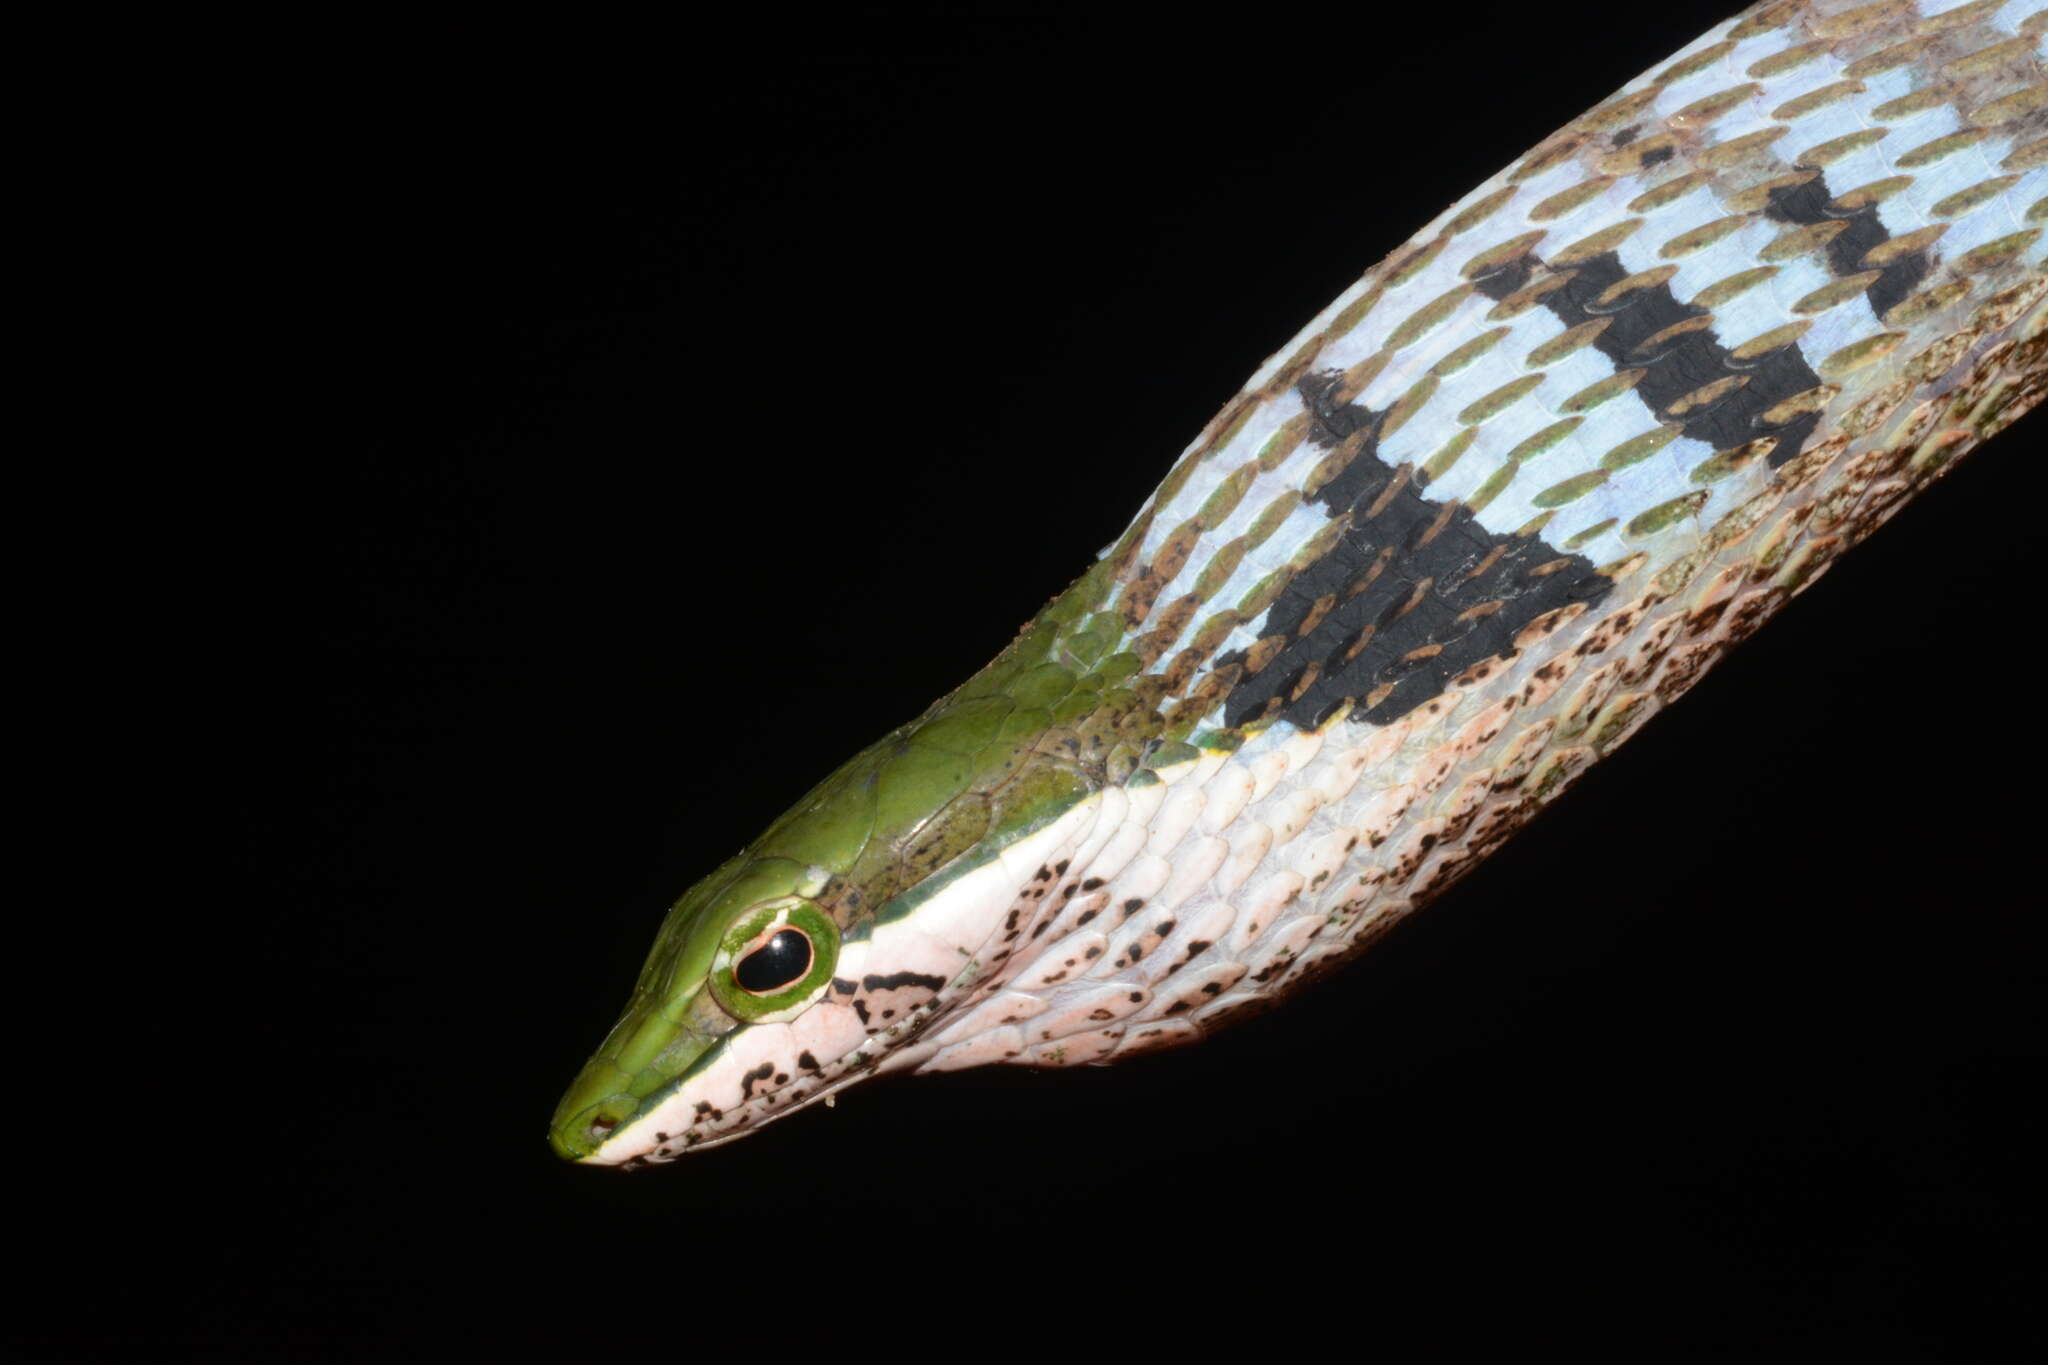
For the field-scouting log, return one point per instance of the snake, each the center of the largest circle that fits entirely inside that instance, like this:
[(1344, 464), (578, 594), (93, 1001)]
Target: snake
[(1509, 495)]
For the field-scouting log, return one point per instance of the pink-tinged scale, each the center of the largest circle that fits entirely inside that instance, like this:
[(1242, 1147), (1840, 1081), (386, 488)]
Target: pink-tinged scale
[(1382, 812), (1194, 988), (1079, 1050), (1198, 932), (1141, 881), (1279, 947), (1011, 1007), (1262, 905), (1463, 803), (1195, 862), (1250, 842), (1122, 848), (1312, 959), (1137, 940), (1153, 1037), (1084, 1011), (1069, 959), (1227, 796), (995, 1046), (1320, 860), (1292, 814)]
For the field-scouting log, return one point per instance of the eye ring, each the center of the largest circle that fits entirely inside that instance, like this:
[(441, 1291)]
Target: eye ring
[(775, 963), (758, 976)]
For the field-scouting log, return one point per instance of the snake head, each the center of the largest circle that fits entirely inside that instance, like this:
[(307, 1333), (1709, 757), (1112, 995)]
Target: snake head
[(887, 921), (831, 947), (745, 953)]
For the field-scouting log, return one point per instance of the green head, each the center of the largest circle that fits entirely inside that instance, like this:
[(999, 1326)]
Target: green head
[(828, 948), (749, 945), (888, 900)]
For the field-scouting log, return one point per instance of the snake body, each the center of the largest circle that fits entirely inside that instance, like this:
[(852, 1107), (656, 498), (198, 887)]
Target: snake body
[(1511, 493)]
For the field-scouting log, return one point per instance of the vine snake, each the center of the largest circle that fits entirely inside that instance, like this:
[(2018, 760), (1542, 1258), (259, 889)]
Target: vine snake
[(1507, 496)]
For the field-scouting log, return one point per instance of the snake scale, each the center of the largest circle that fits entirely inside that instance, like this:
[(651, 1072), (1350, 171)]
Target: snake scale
[(1511, 493)]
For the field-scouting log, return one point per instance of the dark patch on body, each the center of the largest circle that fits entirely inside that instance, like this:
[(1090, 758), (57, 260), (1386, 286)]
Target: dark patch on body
[(1423, 617), (1430, 571), (1811, 202), (1679, 365), (1506, 278)]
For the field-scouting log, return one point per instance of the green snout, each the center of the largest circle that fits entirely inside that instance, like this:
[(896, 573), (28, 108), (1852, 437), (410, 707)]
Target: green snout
[(648, 1052)]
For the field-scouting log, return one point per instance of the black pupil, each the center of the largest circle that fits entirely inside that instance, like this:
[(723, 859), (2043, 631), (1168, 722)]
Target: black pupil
[(781, 961)]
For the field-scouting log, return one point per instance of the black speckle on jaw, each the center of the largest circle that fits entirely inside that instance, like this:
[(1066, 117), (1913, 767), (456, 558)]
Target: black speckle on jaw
[(753, 1078), (898, 980)]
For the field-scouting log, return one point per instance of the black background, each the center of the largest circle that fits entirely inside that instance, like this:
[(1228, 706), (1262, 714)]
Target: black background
[(679, 407)]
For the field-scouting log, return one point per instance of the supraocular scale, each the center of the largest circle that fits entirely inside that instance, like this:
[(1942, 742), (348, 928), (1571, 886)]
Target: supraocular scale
[(1511, 493)]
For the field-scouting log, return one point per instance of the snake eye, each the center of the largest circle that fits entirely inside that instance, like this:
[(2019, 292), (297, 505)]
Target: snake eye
[(779, 963), (774, 960)]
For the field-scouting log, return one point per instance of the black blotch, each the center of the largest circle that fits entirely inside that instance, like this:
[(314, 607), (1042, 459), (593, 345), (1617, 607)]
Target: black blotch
[(752, 1078), (1403, 624), (1685, 363), (1812, 202), (898, 980)]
